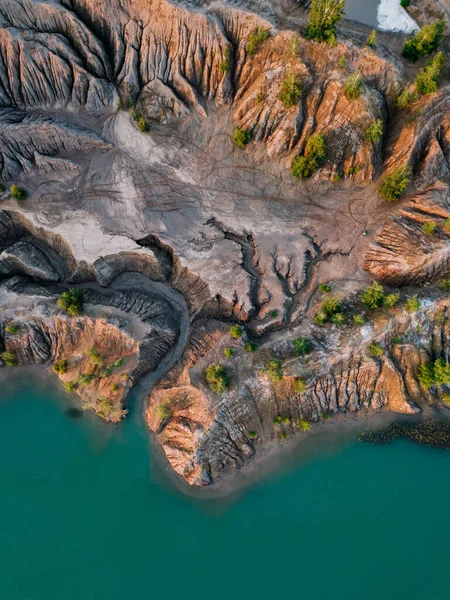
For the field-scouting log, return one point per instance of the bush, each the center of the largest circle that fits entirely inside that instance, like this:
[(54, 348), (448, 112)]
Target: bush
[(250, 347), (252, 435), (324, 288), (376, 350), (406, 98), (396, 340), (326, 416), (85, 378), (118, 363), (299, 385), (320, 318), (9, 358), (104, 407), (405, 3), (241, 138), (353, 86), (274, 370), (2, 187), (61, 366), (428, 78), (374, 132), (395, 183), (217, 379), (290, 91), (413, 304), (303, 425), (373, 296), (359, 320), (71, 301), (229, 352), (255, 39), (277, 420), (95, 357), (314, 155), (236, 332), (426, 375), (323, 16), (391, 300), (342, 62), (429, 227), (446, 225), (437, 372), (331, 306), (273, 313), (224, 66), (17, 192), (445, 284), (143, 125), (302, 345), (164, 411), (115, 387), (424, 42), (12, 329), (134, 115), (339, 319), (372, 39), (70, 386)]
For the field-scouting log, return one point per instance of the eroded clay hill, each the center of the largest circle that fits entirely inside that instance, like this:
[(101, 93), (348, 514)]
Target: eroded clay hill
[(117, 118)]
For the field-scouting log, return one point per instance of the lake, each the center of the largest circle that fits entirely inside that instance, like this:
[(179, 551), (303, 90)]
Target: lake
[(87, 514), (386, 15)]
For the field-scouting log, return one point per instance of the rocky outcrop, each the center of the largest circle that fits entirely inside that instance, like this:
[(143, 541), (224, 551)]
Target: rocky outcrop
[(402, 253)]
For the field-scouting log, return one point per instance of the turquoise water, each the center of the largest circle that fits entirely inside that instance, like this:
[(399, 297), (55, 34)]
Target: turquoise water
[(85, 514)]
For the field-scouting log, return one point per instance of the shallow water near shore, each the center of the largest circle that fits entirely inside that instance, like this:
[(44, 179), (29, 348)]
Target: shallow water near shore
[(86, 513)]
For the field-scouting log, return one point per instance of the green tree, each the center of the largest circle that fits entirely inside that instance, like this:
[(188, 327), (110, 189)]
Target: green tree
[(236, 332), (302, 345), (250, 347), (376, 350), (413, 304), (71, 301), (241, 138), (353, 86), (9, 358), (406, 98), (424, 42), (291, 91), (94, 356), (323, 16), (323, 287), (274, 370), (373, 296), (374, 132), (216, 376), (229, 352), (391, 300), (17, 192), (314, 155), (429, 227), (445, 284), (255, 39), (331, 306), (143, 125), (299, 385), (61, 367), (372, 39), (359, 320), (303, 425), (427, 80), (396, 183)]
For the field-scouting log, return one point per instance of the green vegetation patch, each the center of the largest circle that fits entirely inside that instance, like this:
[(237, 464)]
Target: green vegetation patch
[(291, 90), (427, 81), (9, 358), (72, 301), (323, 16), (424, 42), (396, 183), (274, 370), (302, 345), (61, 367), (257, 37), (216, 376), (241, 138), (353, 86), (374, 132), (17, 192), (236, 332), (314, 155)]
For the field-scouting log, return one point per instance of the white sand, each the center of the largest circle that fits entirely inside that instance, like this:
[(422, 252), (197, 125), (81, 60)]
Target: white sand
[(392, 17)]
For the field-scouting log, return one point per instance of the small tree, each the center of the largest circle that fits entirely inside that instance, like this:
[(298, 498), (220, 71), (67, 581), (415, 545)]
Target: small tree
[(94, 356), (424, 42), (413, 304), (17, 192), (72, 301), (376, 350), (353, 86), (255, 39), (429, 227), (274, 370), (164, 411), (302, 345), (299, 385), (217, 379), (373, 296), (359, 320), (229, 352), (236, 332), (339, 319), (290, 91), (241, 138), (427, 80), (314, 155), (61, 367), (323, 287), (9, 358), (396, 183), (323, 16), (391, 300), (374, 132), (70, 386), (331, 306), (303, 425), (406, 98), (250, 347), (372, 39), (143, 125)]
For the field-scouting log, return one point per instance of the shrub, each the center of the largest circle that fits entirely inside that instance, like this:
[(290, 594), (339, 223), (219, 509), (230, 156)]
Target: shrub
[(374, 132), (359, 320), (250, 347), (217, 379), (241, 138), (70, 386), (320, 318), (331, 306), (277, 420), (373, 296), (326, 416), (224, 66), (391, 300), (395, 183), (428, 78), (107, 372), (273, 313), (255, 39), (282, 435), (164, 411), (61, 366), (324, 288), (71, 301), (134, 115), (228, 352), (115, 387), (339, 319), (372, 39), (2, 187), (17, 192), (95, 357), (426, 375), (290, 91), (445, 284), (85, 378), (118, 363), (9, 358), (143, 125), (252, 435), (353, 86), (104, 407), (437, 372), (406, 98), (294, 45), (413, 304), (405, 3), (429, 227), (396, 340), (446, 398), (12, 329), (274, 370), (376, 350), (446, 225), (315, 152), (236, 332), (342, 62), (303, 425), (323, 16), (299, 385), (424, 42), (302, 345)]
